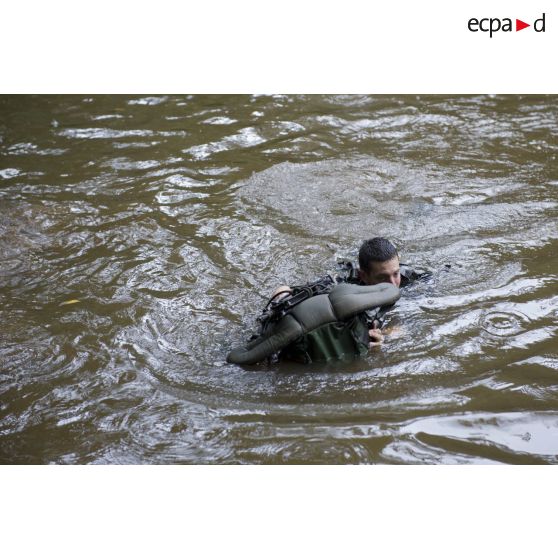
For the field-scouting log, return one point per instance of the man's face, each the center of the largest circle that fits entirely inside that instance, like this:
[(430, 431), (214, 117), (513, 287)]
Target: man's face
[(382, 272)]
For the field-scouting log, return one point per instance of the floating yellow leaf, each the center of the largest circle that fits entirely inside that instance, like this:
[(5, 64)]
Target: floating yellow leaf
[(73, 301)]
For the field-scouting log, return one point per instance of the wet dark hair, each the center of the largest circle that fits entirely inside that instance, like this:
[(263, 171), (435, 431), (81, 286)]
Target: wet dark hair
[(375, 250)]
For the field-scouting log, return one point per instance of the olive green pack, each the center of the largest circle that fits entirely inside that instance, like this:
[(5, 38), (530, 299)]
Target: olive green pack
[(333, 341), (329, 325)]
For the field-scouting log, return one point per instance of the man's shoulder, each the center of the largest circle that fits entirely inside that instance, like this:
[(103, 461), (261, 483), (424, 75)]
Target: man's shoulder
[(410, 274), (347, 272)]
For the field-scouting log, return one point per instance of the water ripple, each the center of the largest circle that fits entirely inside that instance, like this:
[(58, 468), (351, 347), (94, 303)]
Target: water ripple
[(504, 323)]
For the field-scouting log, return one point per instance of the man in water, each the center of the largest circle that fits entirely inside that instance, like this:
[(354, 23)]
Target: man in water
[(378, 263), (312, 332)]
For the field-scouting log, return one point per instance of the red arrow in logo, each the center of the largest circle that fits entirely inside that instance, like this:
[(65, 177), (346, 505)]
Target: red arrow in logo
[(519, 25)]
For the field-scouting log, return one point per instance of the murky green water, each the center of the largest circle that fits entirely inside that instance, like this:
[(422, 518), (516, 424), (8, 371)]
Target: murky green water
[(140, 235)]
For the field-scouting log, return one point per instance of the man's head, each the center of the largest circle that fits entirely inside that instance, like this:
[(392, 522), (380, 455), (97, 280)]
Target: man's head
[(379, 262)]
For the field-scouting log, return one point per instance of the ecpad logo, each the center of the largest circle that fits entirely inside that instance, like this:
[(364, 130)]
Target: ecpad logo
[(494, 24)]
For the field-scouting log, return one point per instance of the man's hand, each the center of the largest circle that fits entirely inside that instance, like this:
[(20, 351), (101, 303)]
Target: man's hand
[(281, 292), (375, 337)]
